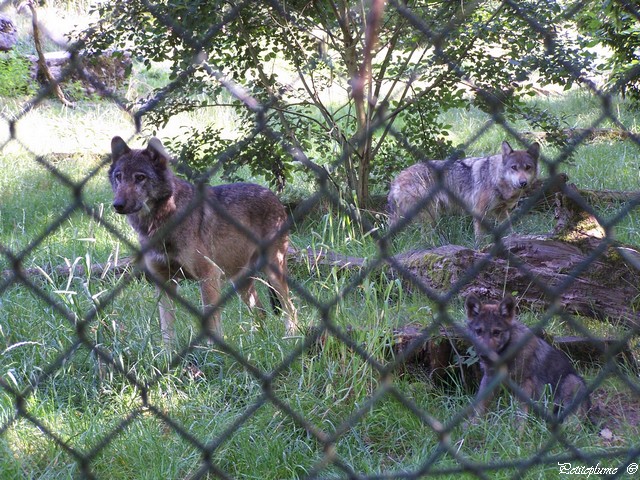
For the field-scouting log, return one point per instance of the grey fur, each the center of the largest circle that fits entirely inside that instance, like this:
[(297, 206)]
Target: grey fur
[(535, 368), (479, 186)]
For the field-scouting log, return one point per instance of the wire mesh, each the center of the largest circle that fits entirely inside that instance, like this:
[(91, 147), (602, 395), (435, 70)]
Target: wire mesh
[(385, 353)]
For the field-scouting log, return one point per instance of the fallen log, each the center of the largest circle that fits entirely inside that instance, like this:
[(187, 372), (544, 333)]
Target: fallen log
[(609, 196), (595, 279), (560, 184), (576, 268), (604, 286), (126, 266), (444, 355), (608, 289), (120, 267), (599, 280), (583, 133)]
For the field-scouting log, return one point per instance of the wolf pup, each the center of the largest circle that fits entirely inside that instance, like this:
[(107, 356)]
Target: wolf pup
[(481, 185), (535, 367), (201, 234)]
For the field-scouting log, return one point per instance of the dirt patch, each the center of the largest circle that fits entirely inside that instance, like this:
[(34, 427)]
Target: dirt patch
[(618, 415)]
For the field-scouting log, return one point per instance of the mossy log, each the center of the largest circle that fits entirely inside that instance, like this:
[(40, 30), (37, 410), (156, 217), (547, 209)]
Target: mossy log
[(592, 277), (541, 271), (595, 279), (585, 278), (577, 268), (443, 355)]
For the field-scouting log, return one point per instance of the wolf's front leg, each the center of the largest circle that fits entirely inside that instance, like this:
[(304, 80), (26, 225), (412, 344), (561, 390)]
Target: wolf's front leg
[(479, 216), (485, 395), (525, 397), (166, 288), (478, 232), (167, 312), (480, 402), (210, 292)]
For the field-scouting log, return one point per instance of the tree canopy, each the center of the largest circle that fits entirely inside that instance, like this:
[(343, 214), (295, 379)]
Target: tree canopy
[(355, 88)]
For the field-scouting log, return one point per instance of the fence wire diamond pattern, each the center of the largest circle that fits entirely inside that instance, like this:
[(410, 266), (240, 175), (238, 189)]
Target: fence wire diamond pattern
[(352, 401)]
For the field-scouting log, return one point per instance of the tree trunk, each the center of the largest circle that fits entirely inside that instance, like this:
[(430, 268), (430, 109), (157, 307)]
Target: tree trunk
[(358, 63), (47, 78)]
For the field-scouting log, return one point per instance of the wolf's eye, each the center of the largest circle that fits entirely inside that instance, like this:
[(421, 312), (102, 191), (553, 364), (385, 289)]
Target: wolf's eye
[(479, 332), (514, 168), (496, 333), (139, 177), (117, 176), (527, 168)]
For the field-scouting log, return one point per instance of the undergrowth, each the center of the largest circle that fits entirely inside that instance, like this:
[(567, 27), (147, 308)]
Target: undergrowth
[(208, 399)]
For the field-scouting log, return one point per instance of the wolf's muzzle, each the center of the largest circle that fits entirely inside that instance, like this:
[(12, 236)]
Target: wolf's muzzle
[(119, 206)]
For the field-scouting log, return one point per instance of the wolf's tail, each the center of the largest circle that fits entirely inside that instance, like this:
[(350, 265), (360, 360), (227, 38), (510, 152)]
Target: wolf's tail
[(276, 304)]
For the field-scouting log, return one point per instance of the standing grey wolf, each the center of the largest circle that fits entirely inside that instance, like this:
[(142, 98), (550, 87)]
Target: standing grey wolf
[(534, 368), (201, 233), (480, 186)]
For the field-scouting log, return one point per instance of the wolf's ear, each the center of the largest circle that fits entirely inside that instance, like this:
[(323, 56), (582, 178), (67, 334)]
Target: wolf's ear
[(118, 148), (472, 306), (508, 308), (534, 150), (506, 149), (158, 152)]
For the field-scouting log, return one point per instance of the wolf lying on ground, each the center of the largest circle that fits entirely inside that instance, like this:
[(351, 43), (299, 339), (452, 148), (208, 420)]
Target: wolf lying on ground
[(201, 233), (479, 186), (534, 368)]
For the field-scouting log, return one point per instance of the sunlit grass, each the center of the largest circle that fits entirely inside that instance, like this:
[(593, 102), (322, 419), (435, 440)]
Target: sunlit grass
[(82, 400)]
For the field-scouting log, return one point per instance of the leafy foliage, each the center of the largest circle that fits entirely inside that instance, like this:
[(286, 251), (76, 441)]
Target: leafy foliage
[(616, 25), (423, 59), (207, 151), (14, 76)]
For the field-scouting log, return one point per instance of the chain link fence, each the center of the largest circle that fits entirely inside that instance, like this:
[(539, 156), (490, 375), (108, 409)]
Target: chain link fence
[(388, 398)]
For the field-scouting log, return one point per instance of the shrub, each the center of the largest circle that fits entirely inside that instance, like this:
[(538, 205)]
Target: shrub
[(15, 79)]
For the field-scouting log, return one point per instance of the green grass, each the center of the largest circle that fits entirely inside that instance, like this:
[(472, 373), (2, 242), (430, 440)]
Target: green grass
[(82, 400), (95, 409)]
